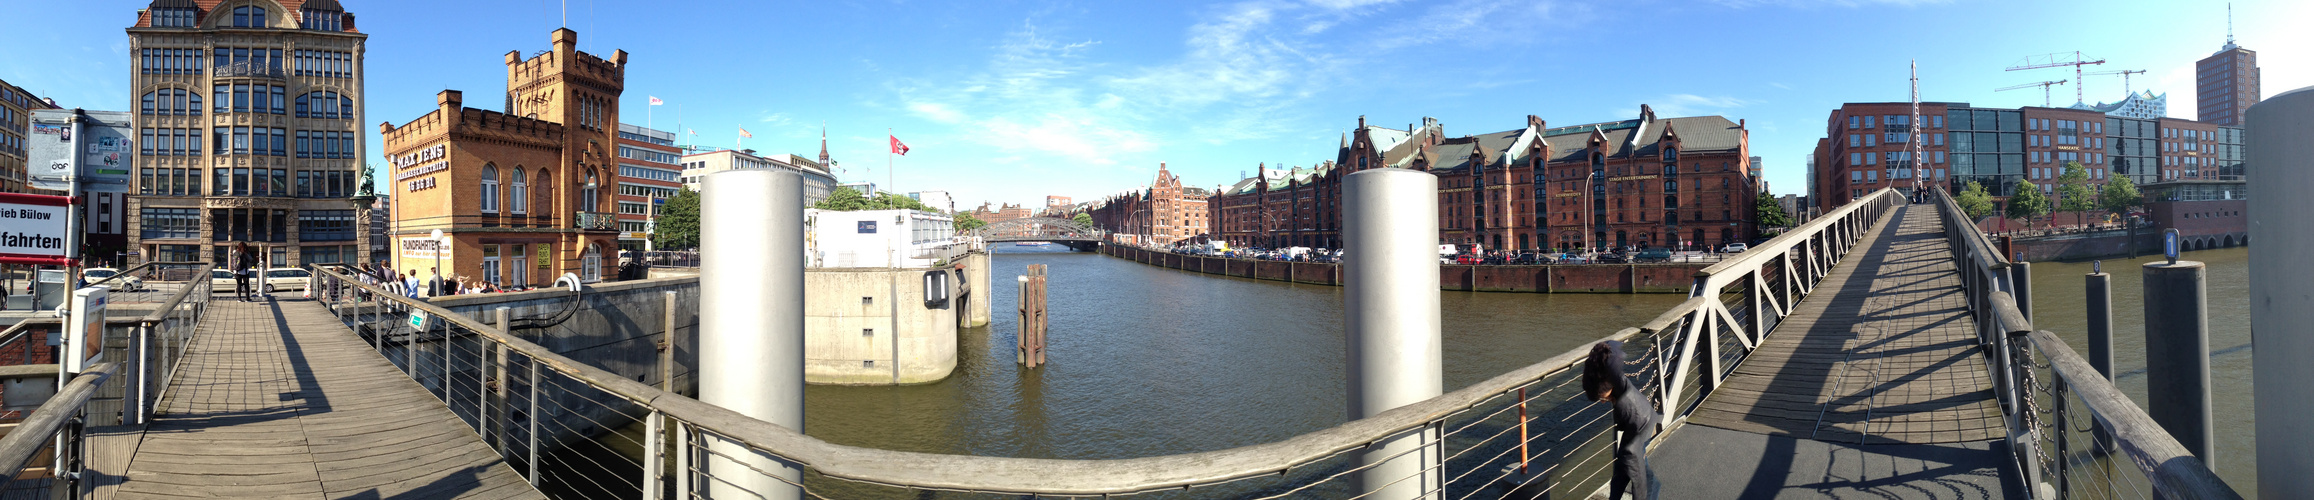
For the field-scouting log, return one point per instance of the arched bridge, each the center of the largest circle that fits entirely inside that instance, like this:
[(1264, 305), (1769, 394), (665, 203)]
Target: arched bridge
[(1046, 229)]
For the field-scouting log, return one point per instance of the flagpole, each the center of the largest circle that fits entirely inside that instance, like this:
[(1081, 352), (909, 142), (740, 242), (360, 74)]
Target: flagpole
[(888, 177)]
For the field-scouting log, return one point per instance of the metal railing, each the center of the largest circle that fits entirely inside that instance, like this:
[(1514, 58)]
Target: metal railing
[(143, 351), (2068, 425), (596, 220), (577, 431)]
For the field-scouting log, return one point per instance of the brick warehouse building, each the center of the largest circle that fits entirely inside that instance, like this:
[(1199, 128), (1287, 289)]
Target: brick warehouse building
[(1645, 182), (1165, 213), (249, 118), (526, 194), (1867, 147)]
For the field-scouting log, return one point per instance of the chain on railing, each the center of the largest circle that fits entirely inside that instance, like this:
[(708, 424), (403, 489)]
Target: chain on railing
[(2067, 423), (578, 431)]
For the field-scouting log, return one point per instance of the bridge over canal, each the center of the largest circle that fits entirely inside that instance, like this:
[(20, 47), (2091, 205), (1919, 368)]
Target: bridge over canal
[(1066, 232), (1874, 351)]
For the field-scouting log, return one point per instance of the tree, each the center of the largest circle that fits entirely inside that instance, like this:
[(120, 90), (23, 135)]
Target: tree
[(966, 223), (2028, 203), (2120, 196), (2073, 191), (1770, 213), (678, 224), (1974, 201), (845, 199), (1083, 219)]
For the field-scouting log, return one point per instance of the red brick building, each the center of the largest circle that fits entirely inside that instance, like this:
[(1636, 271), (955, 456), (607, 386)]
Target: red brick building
[(1645, 182), (1164, 213)]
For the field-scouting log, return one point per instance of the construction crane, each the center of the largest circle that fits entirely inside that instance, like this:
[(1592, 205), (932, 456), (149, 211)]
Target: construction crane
[(2124, 77), (2060, 59), (2043, 85)]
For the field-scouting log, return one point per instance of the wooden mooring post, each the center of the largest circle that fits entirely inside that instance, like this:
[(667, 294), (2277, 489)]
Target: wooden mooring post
[(1032, 317)]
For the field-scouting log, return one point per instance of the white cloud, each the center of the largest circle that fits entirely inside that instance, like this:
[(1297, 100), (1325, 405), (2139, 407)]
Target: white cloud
[(1825, 3), (1694, 105)]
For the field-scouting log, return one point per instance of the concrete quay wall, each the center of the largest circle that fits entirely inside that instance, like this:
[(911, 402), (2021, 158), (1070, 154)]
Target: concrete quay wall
[(1589, 278)]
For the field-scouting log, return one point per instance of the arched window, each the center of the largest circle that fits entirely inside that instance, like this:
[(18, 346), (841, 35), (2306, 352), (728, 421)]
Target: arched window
[(519, 194), (545, 183), (1671, 186), (489, 188), (587, 192), (1670, 169), (249, 17), (1671, 202), (1671, 155)]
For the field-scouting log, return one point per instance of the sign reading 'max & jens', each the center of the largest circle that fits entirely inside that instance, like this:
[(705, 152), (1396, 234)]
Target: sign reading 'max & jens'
[(32, 229)]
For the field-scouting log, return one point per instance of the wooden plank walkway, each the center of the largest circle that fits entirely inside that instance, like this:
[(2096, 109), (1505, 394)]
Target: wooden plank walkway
[(1874, 386), (280, 400)]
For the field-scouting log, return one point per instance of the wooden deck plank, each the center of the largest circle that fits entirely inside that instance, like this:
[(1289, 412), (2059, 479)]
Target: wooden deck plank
[(278, 400)]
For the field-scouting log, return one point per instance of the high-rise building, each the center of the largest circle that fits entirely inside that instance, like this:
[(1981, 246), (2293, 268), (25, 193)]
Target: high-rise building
[(525, 194), (16, 105), (650, 172), (2225, 85), (275, 150)]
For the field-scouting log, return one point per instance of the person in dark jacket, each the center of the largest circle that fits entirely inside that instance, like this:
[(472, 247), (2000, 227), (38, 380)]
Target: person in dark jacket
[(1635, 419), (241, 267)]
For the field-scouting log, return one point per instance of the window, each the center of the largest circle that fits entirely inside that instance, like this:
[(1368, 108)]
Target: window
[(489, 188), (591, 263), (323, 20), (490, 264), (519, 193), (249, 17), (162, 223), (587, 193), (325, 225)]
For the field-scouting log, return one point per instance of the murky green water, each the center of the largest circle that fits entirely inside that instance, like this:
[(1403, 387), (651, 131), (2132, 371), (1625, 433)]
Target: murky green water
[(2060, 307), (1148, 361)]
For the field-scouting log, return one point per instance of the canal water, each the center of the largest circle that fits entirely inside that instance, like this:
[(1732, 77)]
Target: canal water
[(2060, 307), (1147, 361)]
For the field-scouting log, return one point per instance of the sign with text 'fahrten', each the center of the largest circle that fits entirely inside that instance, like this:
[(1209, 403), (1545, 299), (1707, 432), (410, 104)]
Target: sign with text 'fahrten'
[(32, 229)]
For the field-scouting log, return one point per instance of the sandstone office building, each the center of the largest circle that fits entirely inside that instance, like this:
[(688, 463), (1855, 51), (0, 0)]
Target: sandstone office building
[(248, 125), (525, 194)]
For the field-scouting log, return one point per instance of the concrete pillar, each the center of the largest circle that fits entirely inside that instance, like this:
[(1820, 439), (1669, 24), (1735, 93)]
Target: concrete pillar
[(2098, 287), (977, 269), (2282, 221), (751, 343), (2177, 354), (1391, 310)]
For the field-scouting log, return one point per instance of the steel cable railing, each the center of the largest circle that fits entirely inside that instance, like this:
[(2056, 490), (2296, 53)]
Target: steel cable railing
[(577, 431), (2068, 425)]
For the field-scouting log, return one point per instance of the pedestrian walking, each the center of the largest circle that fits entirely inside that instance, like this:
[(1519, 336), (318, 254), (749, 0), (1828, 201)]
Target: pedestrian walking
[(1635, 420)]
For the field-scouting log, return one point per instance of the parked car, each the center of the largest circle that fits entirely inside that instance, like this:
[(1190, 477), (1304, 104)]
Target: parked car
[(287, 278), (220, 280), (1735, 248), (1469, 260), (1611, 258), (124, 283), (1571, 258), (1653, 255)]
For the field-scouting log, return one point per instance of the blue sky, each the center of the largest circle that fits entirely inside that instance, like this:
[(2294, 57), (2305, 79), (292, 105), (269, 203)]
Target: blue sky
[(1009, 101)]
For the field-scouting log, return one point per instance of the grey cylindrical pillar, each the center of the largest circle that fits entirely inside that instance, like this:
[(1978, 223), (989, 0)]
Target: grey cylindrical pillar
[(2021, 281), (2282, 221), (2177, 354), (751, 318), (2098, 287), (1391, 310)]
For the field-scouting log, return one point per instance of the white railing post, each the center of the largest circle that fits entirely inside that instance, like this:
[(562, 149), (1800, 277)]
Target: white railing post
[(1391, 309), (653, 456)]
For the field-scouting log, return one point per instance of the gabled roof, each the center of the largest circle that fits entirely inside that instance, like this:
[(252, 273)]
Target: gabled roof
[(1629, 137)]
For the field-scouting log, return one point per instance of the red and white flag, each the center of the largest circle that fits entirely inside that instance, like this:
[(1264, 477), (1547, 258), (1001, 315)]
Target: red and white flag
[(743, 133), (655, 101), (898, 148)]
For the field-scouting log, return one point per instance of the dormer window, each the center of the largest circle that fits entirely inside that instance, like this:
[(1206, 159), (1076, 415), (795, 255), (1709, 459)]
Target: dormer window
[(175, 17), (1671, 155), (249, 17), (323, 20)]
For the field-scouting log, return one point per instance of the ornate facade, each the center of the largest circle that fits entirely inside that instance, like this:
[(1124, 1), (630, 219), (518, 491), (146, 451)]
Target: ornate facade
[(248, 117), (1164, 213)]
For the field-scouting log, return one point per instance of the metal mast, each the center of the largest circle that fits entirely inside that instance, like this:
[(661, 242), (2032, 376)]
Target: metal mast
[(1913, 129), (2052, 61)]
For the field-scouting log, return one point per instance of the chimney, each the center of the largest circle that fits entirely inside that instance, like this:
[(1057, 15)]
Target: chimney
[(1361, 121)]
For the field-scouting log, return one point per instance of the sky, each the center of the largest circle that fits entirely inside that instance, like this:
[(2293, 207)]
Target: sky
[(1008, 101)]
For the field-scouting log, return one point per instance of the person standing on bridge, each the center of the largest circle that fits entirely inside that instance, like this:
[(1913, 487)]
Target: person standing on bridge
[(1635, 419)]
